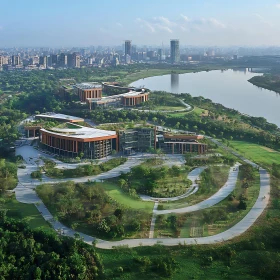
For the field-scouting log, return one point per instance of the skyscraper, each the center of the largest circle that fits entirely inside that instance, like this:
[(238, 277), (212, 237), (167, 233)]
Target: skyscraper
[(127, 47), (63, 60), (73, 60), (174, 51), (16, 60)]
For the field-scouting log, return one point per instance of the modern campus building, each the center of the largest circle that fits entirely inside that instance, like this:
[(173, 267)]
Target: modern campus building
[(72, 142), (58, 117), (181, 143), (137, 140), (117, 95), (174, 51), (88, 90), (33, 129), (143, 139), (128, 99), (114, 88)]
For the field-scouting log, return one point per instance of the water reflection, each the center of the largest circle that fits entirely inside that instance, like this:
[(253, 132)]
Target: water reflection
[(229, 87), (174, 82)]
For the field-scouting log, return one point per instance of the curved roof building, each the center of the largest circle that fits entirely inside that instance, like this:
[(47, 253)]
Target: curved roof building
[(90, 142)]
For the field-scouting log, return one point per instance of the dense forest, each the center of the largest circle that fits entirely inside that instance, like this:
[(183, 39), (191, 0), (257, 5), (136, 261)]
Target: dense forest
[(28, 254)]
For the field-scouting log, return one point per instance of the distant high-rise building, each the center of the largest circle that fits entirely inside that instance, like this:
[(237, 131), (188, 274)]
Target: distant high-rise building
[(73, 60), (160, 54), (174, 51), (127, 48), (43, 61), (35, 59), (3, 60), (16, 60), (55, 59), (62, 60)]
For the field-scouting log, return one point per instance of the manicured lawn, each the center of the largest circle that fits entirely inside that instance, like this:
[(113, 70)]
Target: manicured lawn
[(169, 108), (116, 193), (257, 153), (25, 211), (178, 114)]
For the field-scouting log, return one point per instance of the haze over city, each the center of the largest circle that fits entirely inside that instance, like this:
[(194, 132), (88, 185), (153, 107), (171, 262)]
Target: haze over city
[(140, 139), (82, 23)]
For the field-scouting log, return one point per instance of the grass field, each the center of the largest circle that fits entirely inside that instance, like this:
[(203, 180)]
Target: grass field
[(257, 153), (116, 193), (200, 111), (169, 108), (196, 110), (25, 211)]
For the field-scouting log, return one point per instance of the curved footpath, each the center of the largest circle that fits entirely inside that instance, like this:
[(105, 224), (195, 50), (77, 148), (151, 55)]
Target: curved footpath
[(193, 176), (220, 195), (25, 192), (236, 230)]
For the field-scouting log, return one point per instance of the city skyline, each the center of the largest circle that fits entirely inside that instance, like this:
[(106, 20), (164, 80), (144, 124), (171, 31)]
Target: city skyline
[(67, 23)]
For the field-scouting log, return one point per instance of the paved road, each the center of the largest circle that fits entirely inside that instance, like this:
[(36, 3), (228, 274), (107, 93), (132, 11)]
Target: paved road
[(229, 234), (193, 176), (26, 194), (221, 194), (235, 231)]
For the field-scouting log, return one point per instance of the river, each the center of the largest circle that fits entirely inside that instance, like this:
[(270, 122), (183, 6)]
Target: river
[(228, 87)]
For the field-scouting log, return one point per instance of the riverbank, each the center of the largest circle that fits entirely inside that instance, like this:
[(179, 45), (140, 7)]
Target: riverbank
[(146, 73), (269, 82)]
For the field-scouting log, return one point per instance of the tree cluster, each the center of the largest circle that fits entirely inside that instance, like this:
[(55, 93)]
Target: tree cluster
[(29, 254)]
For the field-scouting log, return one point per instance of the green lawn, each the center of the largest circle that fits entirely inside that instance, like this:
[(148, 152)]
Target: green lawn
[(199, 111), (116, 193), (169, 108), (25, 211), (257, 153)]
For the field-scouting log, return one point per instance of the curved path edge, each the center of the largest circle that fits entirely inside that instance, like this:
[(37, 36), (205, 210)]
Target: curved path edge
[(234, 231), (238, 229)]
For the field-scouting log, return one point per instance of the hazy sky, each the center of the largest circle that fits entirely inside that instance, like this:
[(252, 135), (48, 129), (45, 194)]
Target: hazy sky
[(146, 22)]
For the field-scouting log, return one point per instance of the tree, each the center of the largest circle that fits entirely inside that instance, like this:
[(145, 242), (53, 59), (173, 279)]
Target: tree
[(119, 213), (242, 205)]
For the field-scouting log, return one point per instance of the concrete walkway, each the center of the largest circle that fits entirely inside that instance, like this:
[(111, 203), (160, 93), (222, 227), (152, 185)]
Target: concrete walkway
[(153, 221), (220, 195), (26, 194), (229, 234), (193, 176)]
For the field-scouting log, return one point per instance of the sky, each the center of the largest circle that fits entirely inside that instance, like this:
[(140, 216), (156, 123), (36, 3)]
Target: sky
[(66, 23)]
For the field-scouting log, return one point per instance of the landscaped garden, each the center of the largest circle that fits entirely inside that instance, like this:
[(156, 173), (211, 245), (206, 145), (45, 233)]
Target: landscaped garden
[(219, 217), (155, 181), (211, 180), (97, 210), (83, 170)]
